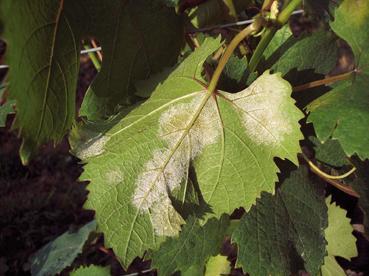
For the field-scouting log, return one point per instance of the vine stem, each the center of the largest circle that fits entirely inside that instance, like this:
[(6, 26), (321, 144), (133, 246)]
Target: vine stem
[(93, 58), (332, 179), (325, 81), (251, 29), (269, 33)]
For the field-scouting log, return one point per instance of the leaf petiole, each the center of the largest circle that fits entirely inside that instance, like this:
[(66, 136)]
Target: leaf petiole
[(251, 29)]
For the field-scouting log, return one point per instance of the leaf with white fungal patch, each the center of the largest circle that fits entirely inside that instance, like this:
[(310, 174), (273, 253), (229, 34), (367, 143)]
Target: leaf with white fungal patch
[(139, 163)]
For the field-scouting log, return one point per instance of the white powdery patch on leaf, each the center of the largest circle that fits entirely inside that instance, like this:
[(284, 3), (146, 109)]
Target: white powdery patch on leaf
[(92, 147), (186, 135), (263, 108), (114, 177)]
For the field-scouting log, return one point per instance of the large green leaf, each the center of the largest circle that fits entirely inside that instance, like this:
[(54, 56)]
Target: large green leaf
[(281, 230), (193, 247), (229, 140), (138, 38), (343, 113), (61, 252), (43, 57), (340, 240)]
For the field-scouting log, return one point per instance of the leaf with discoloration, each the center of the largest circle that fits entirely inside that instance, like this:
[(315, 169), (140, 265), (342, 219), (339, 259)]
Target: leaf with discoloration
[(140, 162)]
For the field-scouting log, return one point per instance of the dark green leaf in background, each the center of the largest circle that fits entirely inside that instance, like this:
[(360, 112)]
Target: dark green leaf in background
[(330, 152), (343, 113), (193, 247), (61, 252), (284, 232), (138, 38), (292, 56), (6, 108), (44, 60)]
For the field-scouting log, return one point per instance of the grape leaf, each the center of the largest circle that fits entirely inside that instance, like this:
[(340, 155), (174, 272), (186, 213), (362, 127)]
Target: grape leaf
[(340, 240), (5, 109), (343, 113), (143, 28), (193, 247), (217, 266), (280, 229), (61, 252), (290, 55), (330, 152), (229, 140), (92, 270), (43, 58), (361, 186), (234, 75), (216, 11)]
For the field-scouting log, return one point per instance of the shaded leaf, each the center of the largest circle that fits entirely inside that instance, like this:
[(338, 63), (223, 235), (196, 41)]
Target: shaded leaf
[(43, 56), (228, 141), (283, 230), (361, 186), (133, 35), (5, 109), (214, 12), (192, 248), (340, 240), (234, 75), (343, 113), (61, 252), (292, 56), (330, 152)]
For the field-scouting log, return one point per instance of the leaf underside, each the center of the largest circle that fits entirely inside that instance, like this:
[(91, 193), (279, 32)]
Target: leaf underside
[(43, 54), (138, 165)]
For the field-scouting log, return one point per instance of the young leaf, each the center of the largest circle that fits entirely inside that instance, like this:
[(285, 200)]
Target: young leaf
[(340, 240), (92, 270), (193, 247), (138, 38), (283, 229), (43, 57), (217, 266), (61, 252), (343, 113), (229, 140)]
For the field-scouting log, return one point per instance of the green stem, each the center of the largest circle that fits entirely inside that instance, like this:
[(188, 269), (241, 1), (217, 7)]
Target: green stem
[(264, 42), (285, 14), (93, 58), (269, 33), (254, 27)]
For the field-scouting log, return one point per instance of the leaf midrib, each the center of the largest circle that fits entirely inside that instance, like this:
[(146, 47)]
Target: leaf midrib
[(48, 79), (165, 163)]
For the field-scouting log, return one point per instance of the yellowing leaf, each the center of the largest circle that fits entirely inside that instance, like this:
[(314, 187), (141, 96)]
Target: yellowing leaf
[(340, 240), (141, 161)]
